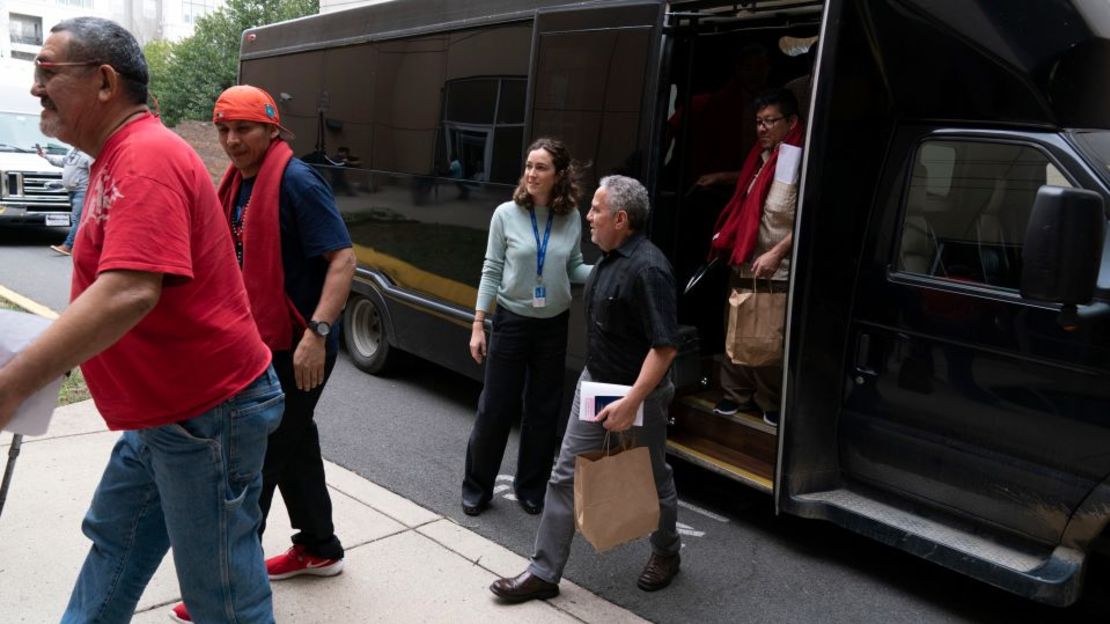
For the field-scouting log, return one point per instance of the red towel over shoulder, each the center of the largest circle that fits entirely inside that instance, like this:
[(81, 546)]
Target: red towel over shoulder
[(263, 273)]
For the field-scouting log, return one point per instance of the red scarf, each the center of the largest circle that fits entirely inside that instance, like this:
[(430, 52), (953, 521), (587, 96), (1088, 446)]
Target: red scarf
[(738, 225), (263, 274)]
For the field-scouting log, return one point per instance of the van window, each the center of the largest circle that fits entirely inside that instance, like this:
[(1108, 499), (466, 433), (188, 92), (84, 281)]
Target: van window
[(447, 104), (967, 207), (474, 145), (1096, 145)]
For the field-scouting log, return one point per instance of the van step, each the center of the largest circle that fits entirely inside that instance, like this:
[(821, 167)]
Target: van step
[(730, 433), (748, 470), (1035, 570), (705, 402)]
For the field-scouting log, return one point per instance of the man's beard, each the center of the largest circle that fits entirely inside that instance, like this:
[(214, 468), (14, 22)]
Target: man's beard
[(49, 127)]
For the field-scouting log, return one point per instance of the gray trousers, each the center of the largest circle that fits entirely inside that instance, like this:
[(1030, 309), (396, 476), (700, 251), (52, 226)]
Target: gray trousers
[(557, 524)]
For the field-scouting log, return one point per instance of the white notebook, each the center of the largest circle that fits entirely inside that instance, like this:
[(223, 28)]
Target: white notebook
[(594, 396)]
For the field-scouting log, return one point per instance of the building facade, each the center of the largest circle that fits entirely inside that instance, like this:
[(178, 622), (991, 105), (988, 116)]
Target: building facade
[(28, 22)]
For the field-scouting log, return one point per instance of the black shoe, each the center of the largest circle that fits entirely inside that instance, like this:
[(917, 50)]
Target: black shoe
[(659, 572), (771, 418), (523, 588), (530, 508), (728, 407), (474, 510)]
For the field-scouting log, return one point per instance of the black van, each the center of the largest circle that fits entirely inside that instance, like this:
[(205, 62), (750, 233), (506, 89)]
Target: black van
[(947, 374)]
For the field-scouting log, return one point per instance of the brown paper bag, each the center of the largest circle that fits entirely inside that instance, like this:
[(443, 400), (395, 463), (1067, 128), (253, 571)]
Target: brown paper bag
[(614, 497), (756, 321)]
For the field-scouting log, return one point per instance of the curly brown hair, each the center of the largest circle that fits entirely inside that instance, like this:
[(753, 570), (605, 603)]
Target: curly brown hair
[(568, 188)]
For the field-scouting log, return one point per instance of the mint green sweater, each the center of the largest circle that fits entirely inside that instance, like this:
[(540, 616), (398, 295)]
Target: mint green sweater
[(509, 271)]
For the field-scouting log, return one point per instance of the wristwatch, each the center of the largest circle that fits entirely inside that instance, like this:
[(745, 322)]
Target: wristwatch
[(320, 328)]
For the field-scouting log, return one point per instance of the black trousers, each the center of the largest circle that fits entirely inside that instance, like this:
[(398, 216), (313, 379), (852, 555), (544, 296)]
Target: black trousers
[(294, 464), (523, 378)]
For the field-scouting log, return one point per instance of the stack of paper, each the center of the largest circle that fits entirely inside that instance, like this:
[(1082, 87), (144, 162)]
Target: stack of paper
[(594, 396), (17, 330)]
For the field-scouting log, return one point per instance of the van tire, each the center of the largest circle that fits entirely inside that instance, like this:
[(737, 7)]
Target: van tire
[(365, 336)]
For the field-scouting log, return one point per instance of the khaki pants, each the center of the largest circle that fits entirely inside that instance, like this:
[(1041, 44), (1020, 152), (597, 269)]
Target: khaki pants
[(743, 383)]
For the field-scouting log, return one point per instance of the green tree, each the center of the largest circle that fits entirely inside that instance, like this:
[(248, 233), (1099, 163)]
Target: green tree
[(203, 65), (159, 56)]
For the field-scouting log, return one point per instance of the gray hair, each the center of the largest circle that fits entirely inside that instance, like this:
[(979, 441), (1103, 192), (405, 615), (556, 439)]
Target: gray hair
[(627, 194), (104, 41)]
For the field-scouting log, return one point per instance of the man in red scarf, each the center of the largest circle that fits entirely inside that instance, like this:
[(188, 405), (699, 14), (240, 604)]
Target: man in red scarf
[(297, 262), (755, 233)]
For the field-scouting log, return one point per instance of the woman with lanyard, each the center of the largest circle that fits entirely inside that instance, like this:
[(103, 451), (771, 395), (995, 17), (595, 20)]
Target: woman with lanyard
[(532, 256)]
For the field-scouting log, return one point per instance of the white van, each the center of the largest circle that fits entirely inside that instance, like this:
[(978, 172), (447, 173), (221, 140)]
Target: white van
[(31, 191)]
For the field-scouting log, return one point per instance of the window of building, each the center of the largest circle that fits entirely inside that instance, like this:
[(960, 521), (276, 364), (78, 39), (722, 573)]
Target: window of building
[(150, 9), (967, 208), (82, 4), (25, 29), (192, 10)]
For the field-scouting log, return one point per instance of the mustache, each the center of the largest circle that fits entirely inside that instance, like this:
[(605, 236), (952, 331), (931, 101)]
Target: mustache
[(47, 103)]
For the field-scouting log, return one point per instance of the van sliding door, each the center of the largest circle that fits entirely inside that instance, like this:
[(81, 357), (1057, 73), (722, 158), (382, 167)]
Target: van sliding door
[(592, 84)]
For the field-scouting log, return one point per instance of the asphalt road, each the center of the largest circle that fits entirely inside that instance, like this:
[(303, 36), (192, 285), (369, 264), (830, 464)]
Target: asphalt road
[(740, 562)]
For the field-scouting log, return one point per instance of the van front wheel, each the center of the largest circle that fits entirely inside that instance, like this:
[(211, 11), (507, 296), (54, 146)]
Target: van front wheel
[(365, 336)]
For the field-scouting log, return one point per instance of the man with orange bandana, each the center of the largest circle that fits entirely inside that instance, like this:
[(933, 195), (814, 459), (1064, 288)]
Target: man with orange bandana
[(297, 262)]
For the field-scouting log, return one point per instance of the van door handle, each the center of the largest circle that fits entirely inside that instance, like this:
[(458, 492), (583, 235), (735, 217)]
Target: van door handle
[(863, 359)]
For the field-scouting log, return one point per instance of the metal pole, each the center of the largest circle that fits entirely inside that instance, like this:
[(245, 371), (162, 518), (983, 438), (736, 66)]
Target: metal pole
[(13, 453)]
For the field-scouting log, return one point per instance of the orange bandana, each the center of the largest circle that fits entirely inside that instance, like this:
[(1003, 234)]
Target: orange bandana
[(247, 103)]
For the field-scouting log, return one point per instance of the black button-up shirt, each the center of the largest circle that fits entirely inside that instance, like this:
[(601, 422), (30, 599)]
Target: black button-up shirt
[(630, 309)]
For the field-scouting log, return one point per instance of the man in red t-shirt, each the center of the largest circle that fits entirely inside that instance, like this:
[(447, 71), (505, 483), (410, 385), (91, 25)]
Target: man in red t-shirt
[(161, 324)]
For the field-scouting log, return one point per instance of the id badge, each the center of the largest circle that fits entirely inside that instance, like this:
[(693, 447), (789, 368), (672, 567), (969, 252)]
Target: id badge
[(539, 296)]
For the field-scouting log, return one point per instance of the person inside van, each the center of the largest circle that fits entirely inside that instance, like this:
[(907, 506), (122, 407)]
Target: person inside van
[(717, 134), (719, 130), (755, 234), (532, 256)]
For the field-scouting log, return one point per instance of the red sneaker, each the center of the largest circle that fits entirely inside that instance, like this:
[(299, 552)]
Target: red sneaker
[(297, 561), (180, 614)]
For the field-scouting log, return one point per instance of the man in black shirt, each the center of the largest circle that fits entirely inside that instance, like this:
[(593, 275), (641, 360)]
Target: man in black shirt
[(632, 339)]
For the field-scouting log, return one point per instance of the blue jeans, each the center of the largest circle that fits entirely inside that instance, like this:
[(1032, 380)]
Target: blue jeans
[(76, 201), (192, 485)]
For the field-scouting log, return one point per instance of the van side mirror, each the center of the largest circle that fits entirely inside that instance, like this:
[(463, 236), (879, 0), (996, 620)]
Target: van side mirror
[(1063, 246)]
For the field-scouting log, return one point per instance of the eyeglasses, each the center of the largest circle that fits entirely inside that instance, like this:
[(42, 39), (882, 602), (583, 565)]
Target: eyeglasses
[(768, 122), (45, 70)]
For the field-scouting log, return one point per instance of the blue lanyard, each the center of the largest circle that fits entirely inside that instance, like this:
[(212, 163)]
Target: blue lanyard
[(541, 248)]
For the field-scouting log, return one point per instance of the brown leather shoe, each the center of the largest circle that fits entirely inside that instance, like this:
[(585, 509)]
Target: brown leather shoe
[(659, 572), (523, 588)]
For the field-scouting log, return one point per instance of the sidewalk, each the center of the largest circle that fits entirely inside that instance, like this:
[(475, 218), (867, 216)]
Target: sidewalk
[(404, 563)]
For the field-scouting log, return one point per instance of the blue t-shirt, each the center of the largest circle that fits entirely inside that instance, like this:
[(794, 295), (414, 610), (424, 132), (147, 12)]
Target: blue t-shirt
[(310, 227)]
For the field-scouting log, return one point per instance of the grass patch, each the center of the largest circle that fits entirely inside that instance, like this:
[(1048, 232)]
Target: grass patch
[(74, 389)]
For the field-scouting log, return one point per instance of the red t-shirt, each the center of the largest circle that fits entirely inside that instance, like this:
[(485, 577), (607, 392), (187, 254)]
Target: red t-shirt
[(151, 207)]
